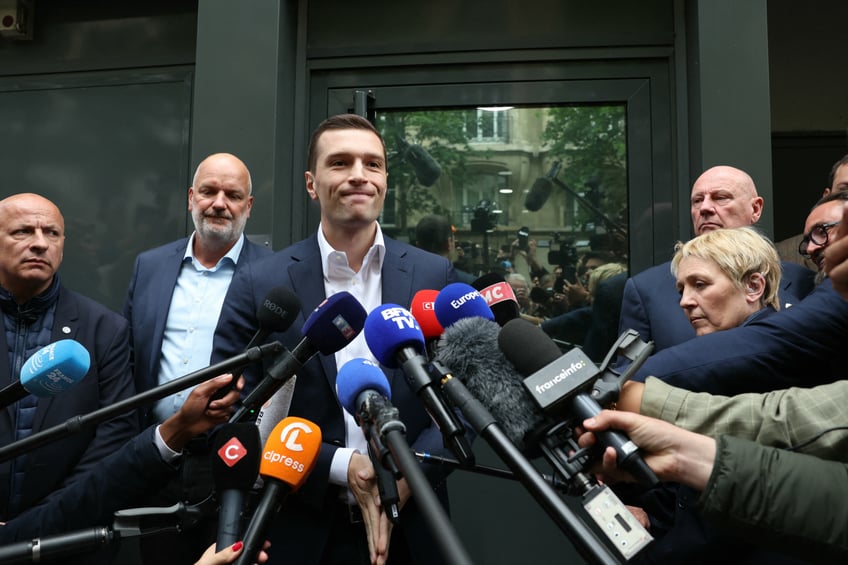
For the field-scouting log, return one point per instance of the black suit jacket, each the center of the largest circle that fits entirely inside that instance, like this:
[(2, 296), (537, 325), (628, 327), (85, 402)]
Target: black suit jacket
[(106, 337), (304, 522)]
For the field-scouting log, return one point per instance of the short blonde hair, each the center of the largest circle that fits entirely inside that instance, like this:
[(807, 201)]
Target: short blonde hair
[(738, 253), (602, 273)]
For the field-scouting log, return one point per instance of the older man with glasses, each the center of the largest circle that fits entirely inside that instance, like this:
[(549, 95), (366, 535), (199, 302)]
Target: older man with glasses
[(825, 215)]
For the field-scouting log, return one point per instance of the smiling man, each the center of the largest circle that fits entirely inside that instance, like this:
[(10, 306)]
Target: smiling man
[(334, 518), (36, 310), (722, 197)]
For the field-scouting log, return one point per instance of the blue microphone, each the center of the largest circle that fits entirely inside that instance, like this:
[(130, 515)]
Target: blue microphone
[(396, 340), (365, 394), (332, 325), (459, 300), (51, 370)]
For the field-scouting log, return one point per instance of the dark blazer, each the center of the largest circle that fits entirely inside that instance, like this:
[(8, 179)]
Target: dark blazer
[(122, 480), (800, 346), (105, 335), (651, 303), (306, 518), (148, 300)]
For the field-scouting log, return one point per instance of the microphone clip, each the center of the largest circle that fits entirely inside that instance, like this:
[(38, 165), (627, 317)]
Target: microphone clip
[(151, 520)]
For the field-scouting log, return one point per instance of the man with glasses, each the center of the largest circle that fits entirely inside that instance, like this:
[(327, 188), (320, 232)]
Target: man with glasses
[(823, 218)]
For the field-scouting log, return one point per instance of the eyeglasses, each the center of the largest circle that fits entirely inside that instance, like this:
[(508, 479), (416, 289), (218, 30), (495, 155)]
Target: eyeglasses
[(818, 235)]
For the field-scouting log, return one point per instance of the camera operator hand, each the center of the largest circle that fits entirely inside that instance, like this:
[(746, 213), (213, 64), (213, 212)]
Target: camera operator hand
[(673, 453)]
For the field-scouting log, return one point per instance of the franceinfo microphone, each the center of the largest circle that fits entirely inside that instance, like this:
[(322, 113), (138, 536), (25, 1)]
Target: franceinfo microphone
[(51, 370), (235, 457), (331, 326), (561, 386), (289, 456), (470, 343), (394, 337), (541, 189)]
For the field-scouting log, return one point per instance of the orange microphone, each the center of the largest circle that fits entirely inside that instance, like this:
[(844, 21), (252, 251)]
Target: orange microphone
[(290, 453)]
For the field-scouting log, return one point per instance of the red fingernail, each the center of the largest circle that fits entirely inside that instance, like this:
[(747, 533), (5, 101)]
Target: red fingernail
[(237, 546)]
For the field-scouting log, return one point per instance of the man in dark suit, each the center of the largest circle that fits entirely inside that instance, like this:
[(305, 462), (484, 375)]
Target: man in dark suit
[(36, 311), (334, 517), (172, 304), (722, 197)]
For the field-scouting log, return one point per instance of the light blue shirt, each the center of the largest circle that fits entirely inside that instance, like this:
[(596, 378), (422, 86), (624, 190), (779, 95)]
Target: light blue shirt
[(192, 317)]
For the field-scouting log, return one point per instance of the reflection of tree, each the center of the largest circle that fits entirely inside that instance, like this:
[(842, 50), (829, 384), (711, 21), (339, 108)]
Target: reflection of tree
[(591, 141), (442, 135)]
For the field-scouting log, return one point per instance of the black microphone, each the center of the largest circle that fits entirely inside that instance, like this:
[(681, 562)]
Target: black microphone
[(427, 170), (276, 314), (236, 452), (541, 189), (332, 325), (470, 348), (51, 370), (561, 385), (48, 548), (289, 456)]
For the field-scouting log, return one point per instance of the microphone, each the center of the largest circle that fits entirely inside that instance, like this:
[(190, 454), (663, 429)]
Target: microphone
[(423, 310), (276, 314), (287, 459), (427, 170), (361, 383), (541, 189), (84, 421), (470, 348), (460, 300), (561, 385), (499, 296), (332, 325), (235, 465), (395, 338), (51, 370), (363, 391)]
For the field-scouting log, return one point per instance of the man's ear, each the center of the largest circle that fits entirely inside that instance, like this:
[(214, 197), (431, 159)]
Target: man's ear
[(310, 185)]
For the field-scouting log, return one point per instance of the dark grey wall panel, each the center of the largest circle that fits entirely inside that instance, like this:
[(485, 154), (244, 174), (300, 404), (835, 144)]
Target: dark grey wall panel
[(110, 149)]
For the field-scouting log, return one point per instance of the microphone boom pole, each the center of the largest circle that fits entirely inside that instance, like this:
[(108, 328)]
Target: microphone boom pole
[(84, 421)]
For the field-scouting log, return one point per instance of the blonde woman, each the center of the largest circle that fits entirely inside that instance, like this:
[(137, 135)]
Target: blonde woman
[(726, 278)]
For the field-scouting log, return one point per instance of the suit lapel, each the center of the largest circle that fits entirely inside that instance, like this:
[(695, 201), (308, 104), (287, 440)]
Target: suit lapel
[(164, 279), (307, 281), (397, 276)]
